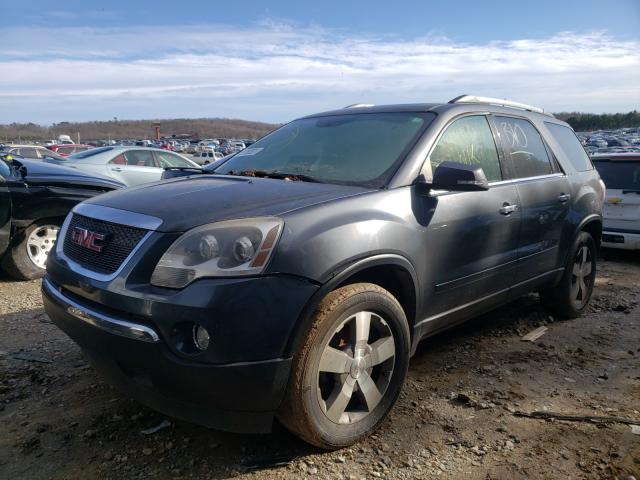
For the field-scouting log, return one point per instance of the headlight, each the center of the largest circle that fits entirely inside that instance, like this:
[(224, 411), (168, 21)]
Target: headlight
[(223, 249)]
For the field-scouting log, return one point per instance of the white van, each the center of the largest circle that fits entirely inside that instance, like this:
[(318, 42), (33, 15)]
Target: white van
[(621, 175)]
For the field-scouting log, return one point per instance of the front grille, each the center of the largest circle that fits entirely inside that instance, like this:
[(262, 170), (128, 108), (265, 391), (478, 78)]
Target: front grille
[(121, 240)]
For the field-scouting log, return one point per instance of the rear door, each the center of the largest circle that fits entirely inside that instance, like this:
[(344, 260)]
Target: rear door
[(621, 175), (472, 236), (5, 208), (545, 196), (134, 167)]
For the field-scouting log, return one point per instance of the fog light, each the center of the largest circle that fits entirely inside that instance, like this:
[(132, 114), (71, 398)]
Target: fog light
[(200, 337)]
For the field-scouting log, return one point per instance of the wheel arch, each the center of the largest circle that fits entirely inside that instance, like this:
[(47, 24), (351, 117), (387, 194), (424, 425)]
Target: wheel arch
[(592, 225), (392, 272), (22, 225)]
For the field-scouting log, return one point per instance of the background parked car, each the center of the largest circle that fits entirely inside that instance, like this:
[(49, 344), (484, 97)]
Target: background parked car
[(204, 158), (129, 165), (35, 152), (35, 197), (69, 149), (621, 175)]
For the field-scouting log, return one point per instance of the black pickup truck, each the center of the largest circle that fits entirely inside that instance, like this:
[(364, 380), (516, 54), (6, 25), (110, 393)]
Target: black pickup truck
[(35, 197)]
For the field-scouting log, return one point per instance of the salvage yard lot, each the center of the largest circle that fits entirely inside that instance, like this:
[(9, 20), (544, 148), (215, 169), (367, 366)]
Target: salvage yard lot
[(455, 418)]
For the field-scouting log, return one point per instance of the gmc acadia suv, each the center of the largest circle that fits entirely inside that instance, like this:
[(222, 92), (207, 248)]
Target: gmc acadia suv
[(297, 277)]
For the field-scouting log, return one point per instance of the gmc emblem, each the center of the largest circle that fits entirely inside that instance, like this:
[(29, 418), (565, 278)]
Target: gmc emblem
[(88, 239)]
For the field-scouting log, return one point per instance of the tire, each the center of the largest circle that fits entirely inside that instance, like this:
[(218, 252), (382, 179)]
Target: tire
[(571, 296), (26, 258), (331, 410)]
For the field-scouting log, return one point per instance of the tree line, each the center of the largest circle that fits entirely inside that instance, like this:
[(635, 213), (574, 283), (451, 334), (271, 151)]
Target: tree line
[(135, 129), (230, 128), (586, 122)]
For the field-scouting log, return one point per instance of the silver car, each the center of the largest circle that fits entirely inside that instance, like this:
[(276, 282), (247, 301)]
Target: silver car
[(129, 165)]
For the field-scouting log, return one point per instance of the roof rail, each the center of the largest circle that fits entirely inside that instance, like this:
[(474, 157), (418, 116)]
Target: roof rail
[(359, 105), (497, 101)]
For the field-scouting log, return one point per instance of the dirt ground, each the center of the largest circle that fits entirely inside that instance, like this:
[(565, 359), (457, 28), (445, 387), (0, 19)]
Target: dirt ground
[(457, 416)]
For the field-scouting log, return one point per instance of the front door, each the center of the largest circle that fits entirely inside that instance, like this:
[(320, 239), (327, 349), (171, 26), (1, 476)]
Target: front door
[(473, 235), (545, 197)]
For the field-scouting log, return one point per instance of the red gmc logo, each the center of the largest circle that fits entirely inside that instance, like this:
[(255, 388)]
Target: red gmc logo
[(88, 239)]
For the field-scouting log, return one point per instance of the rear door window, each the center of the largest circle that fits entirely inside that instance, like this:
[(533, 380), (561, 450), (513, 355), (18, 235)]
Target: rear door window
[(29, 152), (140, 158), (523, 148), (571, 146), (469, 140)]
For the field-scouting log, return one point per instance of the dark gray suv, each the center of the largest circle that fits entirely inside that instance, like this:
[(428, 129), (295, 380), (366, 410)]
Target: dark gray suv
[(295, 278)]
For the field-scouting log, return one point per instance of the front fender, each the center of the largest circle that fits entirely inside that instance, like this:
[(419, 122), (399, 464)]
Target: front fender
[(340, 276)]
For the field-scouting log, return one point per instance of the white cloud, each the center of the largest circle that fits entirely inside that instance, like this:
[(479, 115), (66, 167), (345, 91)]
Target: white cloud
[(276, 71)]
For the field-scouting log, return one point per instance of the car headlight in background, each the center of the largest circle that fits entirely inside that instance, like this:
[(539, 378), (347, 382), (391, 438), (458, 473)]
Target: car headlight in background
[(222, 249)]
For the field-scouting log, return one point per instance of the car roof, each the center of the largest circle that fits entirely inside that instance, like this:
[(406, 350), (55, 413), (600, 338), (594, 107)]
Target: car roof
[(452, 108), (114, 151)]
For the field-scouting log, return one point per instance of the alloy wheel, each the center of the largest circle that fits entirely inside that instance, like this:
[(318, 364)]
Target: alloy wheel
[(40, 242), (355, 368), (581, 277)]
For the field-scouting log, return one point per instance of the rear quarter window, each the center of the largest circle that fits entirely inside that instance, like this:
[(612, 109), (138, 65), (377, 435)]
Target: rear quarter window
[(570, 145)]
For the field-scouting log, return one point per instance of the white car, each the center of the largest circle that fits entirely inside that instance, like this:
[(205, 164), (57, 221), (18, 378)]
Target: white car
[(621, 175), (129, 165), (206, 157)]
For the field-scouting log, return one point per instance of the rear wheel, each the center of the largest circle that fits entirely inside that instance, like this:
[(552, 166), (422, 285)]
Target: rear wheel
[(572, 295), (27, 259), (350, 369)]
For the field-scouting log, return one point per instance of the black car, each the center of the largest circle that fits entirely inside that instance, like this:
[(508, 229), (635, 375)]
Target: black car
[(35, 197), (297, 279)]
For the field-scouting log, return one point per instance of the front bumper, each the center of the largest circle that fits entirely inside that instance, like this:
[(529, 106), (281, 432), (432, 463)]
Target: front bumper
[(621, 240), (134, 354)]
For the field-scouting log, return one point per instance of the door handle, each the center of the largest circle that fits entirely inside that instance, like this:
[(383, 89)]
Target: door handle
[(564, 197), (508, 209), (116, 169)]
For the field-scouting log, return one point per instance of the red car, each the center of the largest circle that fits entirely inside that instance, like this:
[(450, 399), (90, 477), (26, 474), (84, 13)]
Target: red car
[(67, 149)]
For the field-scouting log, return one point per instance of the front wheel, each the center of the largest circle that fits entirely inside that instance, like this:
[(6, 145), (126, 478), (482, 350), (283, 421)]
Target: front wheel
[(27, 259), (572, 295), (350, 369)]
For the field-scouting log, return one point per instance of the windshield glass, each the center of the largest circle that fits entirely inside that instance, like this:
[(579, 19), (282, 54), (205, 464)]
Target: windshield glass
[(621, 175), (91, 152), (361, 149)]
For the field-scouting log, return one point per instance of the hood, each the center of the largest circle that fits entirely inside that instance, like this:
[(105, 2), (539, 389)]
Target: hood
[(37, 172), (186, 202)]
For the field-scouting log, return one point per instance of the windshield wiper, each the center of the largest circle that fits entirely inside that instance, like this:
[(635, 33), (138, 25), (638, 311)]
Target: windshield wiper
[(631, 191), (275, 174)]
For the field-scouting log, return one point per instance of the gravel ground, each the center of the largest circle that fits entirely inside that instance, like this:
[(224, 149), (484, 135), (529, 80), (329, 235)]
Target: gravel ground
[(456, 418)]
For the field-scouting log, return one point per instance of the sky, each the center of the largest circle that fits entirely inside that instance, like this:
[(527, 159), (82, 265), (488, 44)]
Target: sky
[(274, 61)]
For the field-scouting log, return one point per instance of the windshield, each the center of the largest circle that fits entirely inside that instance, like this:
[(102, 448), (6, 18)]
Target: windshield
[(621, 175), (91, 152), (361, 149)]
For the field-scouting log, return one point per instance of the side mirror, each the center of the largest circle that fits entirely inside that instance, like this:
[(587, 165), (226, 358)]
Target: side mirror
[(458, 177)]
